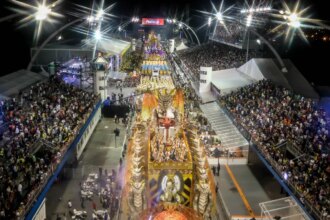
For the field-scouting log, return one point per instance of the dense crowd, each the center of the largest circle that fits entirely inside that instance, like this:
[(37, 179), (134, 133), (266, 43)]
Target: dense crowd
[(233, 33), (132, 81), (273, 115), (131, 61), (40, 124), (213, 54)]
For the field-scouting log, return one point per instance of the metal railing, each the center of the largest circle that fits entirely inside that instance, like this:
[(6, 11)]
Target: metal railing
[(129, 129), (36, 192), (276, 167)]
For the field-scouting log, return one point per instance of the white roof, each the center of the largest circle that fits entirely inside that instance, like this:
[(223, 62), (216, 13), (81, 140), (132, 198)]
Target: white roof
[(109, 45), (117, 75), (229, 80), (12, 83), (263, 68), (181, 46)]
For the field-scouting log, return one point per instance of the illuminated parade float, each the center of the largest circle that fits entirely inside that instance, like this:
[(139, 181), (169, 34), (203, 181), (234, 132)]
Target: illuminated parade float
[(167, 176)]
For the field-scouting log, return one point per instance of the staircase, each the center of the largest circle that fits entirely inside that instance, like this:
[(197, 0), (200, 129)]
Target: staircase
[(223, 127)]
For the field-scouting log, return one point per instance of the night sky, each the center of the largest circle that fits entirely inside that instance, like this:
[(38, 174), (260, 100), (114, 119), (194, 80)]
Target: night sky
[(311, 59)]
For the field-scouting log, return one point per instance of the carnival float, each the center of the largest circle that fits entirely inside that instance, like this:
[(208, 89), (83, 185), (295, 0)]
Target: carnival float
[(167, 175)]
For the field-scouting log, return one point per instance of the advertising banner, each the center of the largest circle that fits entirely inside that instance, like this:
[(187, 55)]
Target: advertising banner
[(153, 21)]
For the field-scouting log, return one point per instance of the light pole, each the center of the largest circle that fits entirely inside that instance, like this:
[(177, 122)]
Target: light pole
[(266, 42), (35, 55), (182, 24)]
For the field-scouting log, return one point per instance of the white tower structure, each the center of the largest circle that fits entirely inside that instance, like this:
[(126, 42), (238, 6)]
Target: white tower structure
[(100, 82), (205, 79)]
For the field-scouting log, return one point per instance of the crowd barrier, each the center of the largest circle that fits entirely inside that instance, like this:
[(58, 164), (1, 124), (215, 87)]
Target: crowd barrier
[(273, 167), (39, 194)]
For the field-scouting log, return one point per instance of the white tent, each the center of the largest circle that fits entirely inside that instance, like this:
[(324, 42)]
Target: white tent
[(181, 46), (117, 75), (109, 45), (14, 82), (229, 80), (263, 68)]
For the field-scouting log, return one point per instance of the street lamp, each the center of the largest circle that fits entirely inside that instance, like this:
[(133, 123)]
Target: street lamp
[(248, 23)]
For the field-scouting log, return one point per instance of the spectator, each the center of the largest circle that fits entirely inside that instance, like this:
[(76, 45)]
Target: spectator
[(51, 114), (273, 115)]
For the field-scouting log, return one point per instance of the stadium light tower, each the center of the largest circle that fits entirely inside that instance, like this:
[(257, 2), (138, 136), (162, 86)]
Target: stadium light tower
[(293, 20), (247, 25), (34, 12), (219, 17), (35, 55), (209, 21), (42, 12), (183, 25), (101, 14), (249, 20), (98, 34)]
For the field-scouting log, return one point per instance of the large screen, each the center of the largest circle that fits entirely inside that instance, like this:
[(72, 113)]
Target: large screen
[(153, 21)]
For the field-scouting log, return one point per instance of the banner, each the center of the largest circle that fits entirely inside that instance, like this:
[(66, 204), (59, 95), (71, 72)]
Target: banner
[(153, 21)]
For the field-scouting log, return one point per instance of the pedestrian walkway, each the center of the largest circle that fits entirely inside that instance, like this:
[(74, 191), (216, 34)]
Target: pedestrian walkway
[(103, 150), (223, 126)]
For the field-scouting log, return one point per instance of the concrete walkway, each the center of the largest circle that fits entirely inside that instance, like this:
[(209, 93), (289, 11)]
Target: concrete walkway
[(243, 187), (101, 151)]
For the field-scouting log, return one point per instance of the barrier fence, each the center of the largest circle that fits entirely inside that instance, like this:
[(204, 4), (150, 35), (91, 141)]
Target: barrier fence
[(39, 193), (272, 165)]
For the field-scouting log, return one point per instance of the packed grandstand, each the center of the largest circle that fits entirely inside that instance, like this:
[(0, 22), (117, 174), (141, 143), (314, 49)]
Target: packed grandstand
[(38, 125), (273, 115)]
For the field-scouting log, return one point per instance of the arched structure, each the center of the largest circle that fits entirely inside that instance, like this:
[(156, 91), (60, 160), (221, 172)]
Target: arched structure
[(49, 39)]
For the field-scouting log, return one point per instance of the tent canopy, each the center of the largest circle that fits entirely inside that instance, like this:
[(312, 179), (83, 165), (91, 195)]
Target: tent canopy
[(109, 45), (14, 82), (263, 68), (116, 75), (229, 80)]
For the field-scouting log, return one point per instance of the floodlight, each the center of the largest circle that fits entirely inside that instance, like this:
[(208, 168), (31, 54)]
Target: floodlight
[(293, 20), (98, 35), (42, 12), (249, 20)]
